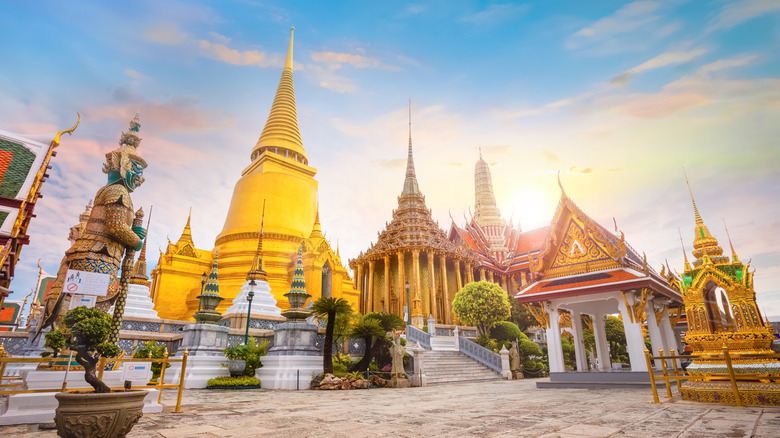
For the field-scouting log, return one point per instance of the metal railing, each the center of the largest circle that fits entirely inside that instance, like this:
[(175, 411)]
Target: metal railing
[(679, 375), (480, 354), (416, 335), (17, 381)]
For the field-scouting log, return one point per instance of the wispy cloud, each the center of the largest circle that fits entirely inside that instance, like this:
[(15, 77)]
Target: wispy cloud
[(223, 53), (741, 11), (496, 12), (335, 61), (165, 34), (662, 60), (134, 74), (723, 64)]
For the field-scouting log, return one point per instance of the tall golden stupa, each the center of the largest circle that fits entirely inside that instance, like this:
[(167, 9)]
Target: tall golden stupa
[(279, 177)]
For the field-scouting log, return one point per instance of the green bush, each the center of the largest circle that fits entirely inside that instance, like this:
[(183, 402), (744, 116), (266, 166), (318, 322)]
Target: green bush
[(356, 375), (233, 381), (339, 369), (250, 352), (86, 333), (157, 351), (55, 341), (507, 331)]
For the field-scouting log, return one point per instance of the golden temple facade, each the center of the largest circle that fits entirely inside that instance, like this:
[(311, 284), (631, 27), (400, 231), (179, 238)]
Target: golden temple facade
[(412, 249), (279, 177)]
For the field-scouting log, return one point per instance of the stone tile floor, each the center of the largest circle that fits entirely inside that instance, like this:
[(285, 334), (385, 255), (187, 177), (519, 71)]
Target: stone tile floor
[(491, 409)]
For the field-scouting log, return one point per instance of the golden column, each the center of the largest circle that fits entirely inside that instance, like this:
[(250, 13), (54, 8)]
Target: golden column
[(386, 307), (481, 274), (432, 300), (401, 285), (370, 307), (359, 281), (504, 283), (416, 272), (457, 274), (490, 277), (469, 273), (443, 263)]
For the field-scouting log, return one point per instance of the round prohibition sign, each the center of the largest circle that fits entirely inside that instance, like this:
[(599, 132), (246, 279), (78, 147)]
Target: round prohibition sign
[(73, 287)]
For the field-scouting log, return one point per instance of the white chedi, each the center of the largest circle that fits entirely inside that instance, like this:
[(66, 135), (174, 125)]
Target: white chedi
[(263, 302), (139, 304)]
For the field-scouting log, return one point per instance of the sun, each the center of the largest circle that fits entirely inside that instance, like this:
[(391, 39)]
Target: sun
[(533, 207)]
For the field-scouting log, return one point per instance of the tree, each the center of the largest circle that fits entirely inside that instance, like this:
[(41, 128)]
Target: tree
[(388, 321), (521, 316), (367, 329), (507, 331), (481, 304), (329, 307), (616, 336), (86, 332)]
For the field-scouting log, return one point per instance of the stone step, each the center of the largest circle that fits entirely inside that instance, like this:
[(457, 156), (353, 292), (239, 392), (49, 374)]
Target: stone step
[(432, 382)]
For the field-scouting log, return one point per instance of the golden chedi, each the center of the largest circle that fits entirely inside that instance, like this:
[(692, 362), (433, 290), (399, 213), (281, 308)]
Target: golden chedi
[(721, 309), (280, 177)]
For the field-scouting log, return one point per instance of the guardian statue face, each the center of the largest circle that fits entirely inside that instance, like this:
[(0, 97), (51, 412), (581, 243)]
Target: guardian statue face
[(134, 176)]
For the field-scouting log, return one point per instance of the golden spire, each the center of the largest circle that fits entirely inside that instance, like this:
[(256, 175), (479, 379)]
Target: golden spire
[(734, 258), (316, 232), (411, 187), (139, 270), (186, 234), (257, 273), (281, 134), (703, 244), (685, 256)]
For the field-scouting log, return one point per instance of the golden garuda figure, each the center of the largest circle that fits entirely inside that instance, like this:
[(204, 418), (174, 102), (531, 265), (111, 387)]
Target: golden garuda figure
[(109, 232)]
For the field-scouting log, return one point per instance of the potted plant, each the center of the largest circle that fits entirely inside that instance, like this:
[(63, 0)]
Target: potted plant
[(244, 359), (236, 361), (101, 413)]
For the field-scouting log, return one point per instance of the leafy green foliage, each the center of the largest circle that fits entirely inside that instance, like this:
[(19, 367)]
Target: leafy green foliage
[(388, 321), (154, 350), (250, 352), (481, 304), (355, 375), (329, 308), (520, 315), (86, 333), (233, 381), (507, 331), (55, 341), (367, 329)]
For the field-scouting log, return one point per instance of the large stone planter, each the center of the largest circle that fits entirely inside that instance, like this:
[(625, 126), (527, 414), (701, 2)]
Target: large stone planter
[(236, 367), (91, 415)]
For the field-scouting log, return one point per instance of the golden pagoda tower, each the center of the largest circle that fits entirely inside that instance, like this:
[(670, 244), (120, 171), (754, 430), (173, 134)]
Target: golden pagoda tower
[(278, 175), (412, 250), (721, 309)]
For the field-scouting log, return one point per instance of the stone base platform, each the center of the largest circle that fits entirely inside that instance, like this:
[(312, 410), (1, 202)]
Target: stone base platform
[(288, 372), (750, 393), (598, 379)]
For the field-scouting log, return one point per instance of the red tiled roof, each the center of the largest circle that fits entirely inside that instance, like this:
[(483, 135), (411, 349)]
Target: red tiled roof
[(531, 240)]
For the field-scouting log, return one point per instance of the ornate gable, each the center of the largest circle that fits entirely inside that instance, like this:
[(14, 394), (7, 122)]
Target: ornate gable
[(576, 247)]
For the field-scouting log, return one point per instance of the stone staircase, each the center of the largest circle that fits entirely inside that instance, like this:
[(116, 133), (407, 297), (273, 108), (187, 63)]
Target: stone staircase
[(452, 367)]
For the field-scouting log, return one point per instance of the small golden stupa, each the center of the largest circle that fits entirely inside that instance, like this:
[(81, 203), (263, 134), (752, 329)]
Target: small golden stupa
[(721, 308)]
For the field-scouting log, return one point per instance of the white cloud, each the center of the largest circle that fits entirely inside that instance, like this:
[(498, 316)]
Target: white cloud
[(223, 53), (741, 11), (336, 60), (134, 74), (722, 64), (625, 19), (662, 60)]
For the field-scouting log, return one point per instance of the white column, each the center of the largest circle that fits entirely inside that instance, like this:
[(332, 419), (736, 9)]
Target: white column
[(579, 344), (672, 341), (634, 339), (656, 338), (602, 350), (554, 347)]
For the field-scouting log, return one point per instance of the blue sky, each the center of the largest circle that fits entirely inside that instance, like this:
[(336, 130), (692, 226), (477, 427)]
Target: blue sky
[(619, 96)]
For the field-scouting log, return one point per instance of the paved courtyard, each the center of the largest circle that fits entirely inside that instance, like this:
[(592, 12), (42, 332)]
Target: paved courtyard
[(493, 409)]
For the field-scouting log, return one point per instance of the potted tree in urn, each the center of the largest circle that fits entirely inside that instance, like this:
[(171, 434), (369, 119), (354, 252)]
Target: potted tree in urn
[(101, 413)]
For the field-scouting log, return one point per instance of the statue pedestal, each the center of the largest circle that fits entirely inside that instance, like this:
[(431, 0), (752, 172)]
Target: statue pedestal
[(398, 382), (294, 358), (204, 343)]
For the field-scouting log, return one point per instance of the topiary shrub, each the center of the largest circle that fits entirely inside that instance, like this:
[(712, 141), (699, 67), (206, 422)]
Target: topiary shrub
[(55, 341), (86, 333), (507, 331), (233, 382)]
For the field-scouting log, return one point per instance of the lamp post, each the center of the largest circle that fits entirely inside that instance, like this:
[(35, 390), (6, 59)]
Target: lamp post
[(202, 285), (408, 306), (249, 297)]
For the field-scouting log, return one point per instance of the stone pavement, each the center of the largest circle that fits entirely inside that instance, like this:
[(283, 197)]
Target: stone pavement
[(490, 409)]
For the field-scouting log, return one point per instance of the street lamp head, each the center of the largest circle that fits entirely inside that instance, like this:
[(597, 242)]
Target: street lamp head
[(407, 284), (203, 278), (251, 293)]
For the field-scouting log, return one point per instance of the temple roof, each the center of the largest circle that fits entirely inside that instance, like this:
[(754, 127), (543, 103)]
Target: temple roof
[(411, 187), (281, 130)]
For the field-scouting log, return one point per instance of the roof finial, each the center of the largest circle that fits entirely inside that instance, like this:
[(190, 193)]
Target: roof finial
[(139, 270), (685, 256), (288, 62), (410, 184), (734, 257), (563, 192), (480, 152), (186, 234), (256, 272), (699, 221)]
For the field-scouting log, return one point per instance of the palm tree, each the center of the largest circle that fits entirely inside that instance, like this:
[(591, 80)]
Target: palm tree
[(330, 307), (368, 329)]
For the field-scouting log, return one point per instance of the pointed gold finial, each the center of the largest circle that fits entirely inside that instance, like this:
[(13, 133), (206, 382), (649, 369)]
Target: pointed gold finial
[(316, 231), (563, 192), (186, 234), (257, 272), (139, 270), (699, 221), (685, 256), (281, 134), (704, 244), (56, 141), (734, 258)]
